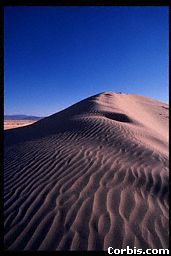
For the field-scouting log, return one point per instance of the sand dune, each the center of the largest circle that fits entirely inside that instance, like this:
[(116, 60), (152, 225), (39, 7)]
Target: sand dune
[(91, 176)]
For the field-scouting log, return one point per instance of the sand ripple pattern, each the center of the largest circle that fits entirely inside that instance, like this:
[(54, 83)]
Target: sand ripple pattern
[(92, 176)]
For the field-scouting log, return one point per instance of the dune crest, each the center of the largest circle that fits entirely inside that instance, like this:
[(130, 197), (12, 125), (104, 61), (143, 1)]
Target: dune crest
[(91, 176)]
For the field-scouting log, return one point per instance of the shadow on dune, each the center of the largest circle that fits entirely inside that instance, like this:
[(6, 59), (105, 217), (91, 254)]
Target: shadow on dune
[(117, 117), (63, 121), (56, 123)]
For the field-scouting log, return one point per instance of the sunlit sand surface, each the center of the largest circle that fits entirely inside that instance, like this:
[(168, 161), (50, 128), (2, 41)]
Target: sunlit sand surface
[(10, 124), (91, 176)]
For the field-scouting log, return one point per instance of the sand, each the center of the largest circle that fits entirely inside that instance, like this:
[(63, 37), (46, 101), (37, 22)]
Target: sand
[(91, 176), (10, 124)]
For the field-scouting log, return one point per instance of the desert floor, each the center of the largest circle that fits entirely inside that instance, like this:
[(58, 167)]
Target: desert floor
[(9, 124)]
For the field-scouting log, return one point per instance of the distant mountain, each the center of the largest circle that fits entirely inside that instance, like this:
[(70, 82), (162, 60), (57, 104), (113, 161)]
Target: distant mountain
[(21, 117)]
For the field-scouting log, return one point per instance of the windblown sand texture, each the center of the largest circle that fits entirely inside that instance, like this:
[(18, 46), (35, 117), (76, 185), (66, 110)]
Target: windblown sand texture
[(91, 176)]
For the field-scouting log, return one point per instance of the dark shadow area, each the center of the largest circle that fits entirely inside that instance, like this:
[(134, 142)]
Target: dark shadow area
[(108, 94), (43, 129), (165, 107), (118, 117), (57, 123)]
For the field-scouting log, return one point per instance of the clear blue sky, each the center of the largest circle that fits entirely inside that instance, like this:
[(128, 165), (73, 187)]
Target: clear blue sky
[(56, 56)]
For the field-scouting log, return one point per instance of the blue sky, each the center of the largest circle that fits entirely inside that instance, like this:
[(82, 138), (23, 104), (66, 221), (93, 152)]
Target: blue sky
[(57, 56)]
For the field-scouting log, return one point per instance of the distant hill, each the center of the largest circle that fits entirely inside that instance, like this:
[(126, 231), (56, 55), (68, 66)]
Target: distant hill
[(21, 117)]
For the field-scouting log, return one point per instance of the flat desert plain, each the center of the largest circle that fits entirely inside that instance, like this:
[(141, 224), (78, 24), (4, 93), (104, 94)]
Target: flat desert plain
[(9, 124), (91, 176)]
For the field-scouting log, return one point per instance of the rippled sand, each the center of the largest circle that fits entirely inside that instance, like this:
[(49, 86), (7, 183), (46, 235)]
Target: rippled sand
[(91, 176)]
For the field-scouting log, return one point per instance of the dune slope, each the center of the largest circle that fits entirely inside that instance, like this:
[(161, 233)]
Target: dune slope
[(91, 176)]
